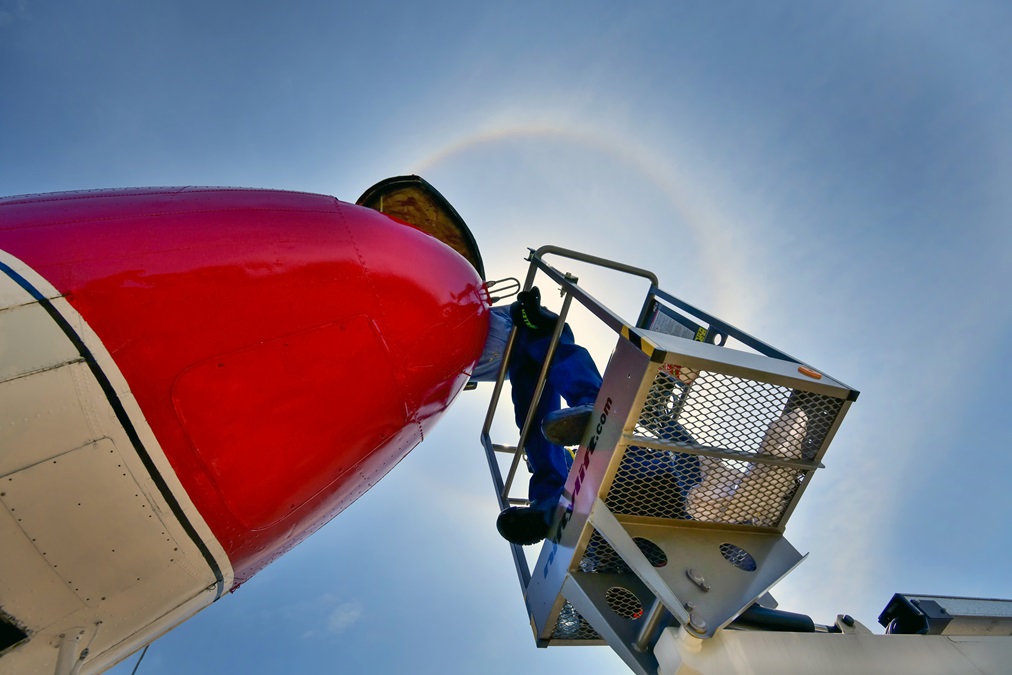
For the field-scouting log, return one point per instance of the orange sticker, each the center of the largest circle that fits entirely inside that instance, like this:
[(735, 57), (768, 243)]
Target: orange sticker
[(810, 373)]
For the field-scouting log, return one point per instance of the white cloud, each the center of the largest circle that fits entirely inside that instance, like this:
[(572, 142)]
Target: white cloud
[(330, 615), (343, 616)]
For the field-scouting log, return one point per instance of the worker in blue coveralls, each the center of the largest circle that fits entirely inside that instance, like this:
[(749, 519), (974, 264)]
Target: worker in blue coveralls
[(572, 376)]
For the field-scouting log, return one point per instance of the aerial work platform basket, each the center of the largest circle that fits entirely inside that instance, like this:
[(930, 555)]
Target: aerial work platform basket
[(702, 441)]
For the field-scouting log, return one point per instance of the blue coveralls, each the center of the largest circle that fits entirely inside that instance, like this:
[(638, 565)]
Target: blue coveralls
[(573, 376)]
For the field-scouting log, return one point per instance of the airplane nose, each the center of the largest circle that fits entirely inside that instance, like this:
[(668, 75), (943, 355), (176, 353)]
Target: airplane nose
[(286, 349)]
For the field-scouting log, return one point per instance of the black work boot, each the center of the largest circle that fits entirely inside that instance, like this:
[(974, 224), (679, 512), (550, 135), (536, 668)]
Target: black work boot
[(528, 312), (522, 525), (566, 427)]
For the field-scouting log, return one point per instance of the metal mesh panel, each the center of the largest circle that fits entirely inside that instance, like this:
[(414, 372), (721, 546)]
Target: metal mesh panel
[(572, 626), (652, 482), (601, 558), (654, 555), (624, 602), (738, 557), (735, 414), (755, 495), (727, 413)]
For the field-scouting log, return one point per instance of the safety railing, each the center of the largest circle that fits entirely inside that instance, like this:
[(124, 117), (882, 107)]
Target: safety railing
[(570, 290)]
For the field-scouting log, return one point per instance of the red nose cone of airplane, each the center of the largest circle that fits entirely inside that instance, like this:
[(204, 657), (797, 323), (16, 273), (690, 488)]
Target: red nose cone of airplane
[(286, 349)]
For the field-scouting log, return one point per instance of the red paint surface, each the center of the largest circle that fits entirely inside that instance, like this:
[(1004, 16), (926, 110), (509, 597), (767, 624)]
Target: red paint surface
[(287, 349)]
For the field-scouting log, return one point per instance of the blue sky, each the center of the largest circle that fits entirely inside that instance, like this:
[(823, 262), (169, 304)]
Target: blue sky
[(832, 177)]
